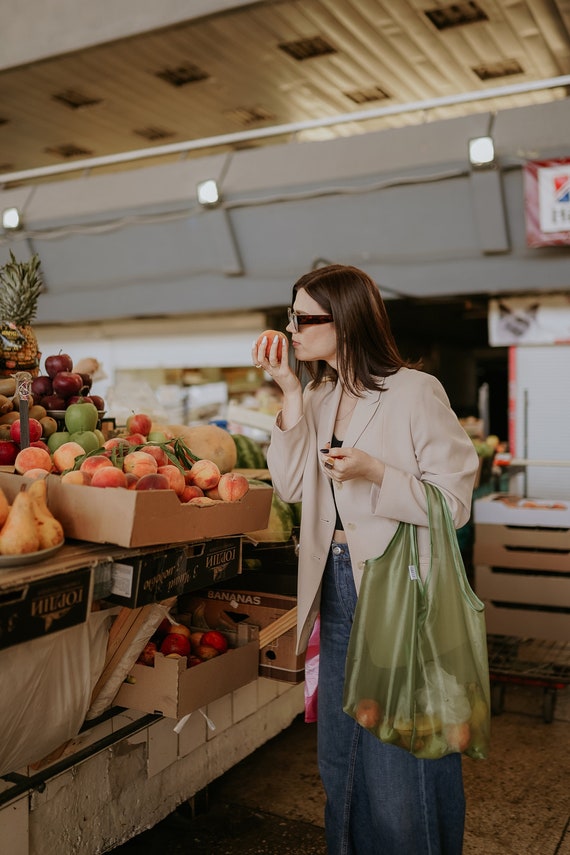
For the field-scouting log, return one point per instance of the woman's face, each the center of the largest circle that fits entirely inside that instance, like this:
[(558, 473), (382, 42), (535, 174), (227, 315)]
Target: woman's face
[(313, 341)]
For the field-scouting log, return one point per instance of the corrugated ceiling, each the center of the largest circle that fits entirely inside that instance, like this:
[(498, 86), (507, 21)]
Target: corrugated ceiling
[(238, 71)]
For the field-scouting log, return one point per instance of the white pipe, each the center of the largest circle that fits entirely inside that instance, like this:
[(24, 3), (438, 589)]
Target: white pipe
[(291, 128)]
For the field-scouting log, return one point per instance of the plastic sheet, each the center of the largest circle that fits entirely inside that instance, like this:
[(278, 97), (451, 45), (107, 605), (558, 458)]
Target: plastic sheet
[(47, 689)]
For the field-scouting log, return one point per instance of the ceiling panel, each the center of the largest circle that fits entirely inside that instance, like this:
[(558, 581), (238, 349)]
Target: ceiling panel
[(385, 52)]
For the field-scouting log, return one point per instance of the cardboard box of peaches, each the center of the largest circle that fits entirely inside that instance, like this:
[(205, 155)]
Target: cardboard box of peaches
[(95, 510)]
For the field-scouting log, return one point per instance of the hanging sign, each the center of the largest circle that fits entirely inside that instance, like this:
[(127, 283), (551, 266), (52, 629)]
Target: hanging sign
[(542, 319), (547, 202)]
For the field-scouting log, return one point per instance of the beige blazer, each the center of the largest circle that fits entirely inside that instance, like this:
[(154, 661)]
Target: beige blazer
[(411, 427)]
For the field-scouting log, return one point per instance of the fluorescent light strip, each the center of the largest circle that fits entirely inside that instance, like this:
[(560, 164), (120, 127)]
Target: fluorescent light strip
[(278, 130)]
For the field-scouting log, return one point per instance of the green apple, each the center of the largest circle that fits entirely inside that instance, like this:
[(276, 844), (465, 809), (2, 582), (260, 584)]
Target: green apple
[(81, 417), (157, 436), (87, 439), (56, 439), (100, 436)]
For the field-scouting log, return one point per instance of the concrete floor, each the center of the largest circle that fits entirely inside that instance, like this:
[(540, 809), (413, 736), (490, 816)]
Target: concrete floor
[(518, 801)]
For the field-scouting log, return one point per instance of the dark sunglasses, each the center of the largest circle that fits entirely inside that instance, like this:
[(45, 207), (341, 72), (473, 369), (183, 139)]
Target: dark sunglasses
[(304, 320)]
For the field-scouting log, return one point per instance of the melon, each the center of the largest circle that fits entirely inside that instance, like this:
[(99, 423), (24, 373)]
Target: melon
[(209, 442), (249, 453), (280, 523)]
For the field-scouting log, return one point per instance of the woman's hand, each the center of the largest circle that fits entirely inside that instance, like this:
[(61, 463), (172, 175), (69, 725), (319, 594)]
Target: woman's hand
[(344, 464), (278, 369)]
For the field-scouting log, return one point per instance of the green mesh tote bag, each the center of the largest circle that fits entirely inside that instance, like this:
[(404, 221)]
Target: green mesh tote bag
[(417, 673)]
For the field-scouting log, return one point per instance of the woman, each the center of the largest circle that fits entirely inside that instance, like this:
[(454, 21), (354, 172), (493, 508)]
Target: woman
[(354, 447)]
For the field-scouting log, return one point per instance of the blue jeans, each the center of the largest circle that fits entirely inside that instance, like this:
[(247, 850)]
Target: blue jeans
[(381, 800)]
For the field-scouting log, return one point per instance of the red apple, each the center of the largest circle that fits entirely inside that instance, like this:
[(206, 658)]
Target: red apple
[(147, 654), (8, 452), (175, 643), (41, 386), (39, 443), (98, 401), (215, 639), (54, 402), (35, 430), (139, 423), (58, 362), (66, 384), (180, 629), (193, 660), (79, 399), (87, 380), (204, 651)]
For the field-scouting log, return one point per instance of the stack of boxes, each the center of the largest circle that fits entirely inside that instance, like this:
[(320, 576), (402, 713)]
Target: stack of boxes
[(522, 565)]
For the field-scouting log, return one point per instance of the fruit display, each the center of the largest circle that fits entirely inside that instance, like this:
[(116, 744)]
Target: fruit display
[(27, 525), (20, 288), (63, 386), (82, 456), (175, 641)]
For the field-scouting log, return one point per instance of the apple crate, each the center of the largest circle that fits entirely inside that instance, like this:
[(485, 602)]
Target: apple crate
[(172, 689)]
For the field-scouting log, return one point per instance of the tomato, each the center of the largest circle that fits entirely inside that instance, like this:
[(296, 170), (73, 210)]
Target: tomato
[(81, 417)]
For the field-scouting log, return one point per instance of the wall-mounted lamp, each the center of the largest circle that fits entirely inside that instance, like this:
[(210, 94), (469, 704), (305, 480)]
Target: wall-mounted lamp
[(11, 219), (482, 152), (208, 193)]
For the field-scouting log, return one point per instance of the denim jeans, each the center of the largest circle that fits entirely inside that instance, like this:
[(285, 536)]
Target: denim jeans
[(380, 800)]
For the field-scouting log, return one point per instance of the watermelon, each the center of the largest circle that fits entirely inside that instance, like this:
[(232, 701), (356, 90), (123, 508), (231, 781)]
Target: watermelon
[(280, 523), (249, 452)]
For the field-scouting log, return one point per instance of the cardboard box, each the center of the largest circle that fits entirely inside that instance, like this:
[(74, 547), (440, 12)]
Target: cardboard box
[(535, 589), (223, 608), (173, 690), (44, 606), (528, 547), (166, 573), (504, 509), (506, 619), (145, 518)]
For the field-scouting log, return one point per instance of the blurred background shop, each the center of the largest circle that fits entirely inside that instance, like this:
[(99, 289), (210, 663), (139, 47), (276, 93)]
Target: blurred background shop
[(177, 166)]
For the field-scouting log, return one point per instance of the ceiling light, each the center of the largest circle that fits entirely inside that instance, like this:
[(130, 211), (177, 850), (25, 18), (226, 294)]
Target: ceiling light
[(208, 193), (481, 151), (11, 218)]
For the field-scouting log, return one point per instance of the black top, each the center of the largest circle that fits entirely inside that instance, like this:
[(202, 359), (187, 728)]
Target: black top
[(336, 443)]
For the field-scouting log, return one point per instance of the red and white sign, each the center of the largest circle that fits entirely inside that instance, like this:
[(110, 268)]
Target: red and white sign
[(547, 202)]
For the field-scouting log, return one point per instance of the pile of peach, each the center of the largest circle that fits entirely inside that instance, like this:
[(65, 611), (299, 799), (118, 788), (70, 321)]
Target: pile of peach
[(147, 468)]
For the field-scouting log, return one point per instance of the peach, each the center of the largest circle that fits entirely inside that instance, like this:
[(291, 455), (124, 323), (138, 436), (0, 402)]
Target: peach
[(37, 473), (205, 474), (140, 463), (232, 486), (190, 491), (271, 335), (158, 453), (33, 458), (135, 439), (175, 477), (115, 442), (75, 476), (90, 464), (213, 493), (153, 481), (109, 476), (64, 456), (132, 480)]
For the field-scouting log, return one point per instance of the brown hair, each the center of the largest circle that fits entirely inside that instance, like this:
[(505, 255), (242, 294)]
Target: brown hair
[(366, 349)]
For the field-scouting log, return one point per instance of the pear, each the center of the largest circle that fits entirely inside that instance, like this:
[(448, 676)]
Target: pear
[(50, 530), (20, 534), (4, 507)]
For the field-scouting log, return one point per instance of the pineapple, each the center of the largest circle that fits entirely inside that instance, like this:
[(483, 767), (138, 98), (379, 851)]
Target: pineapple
[(20, 287)]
